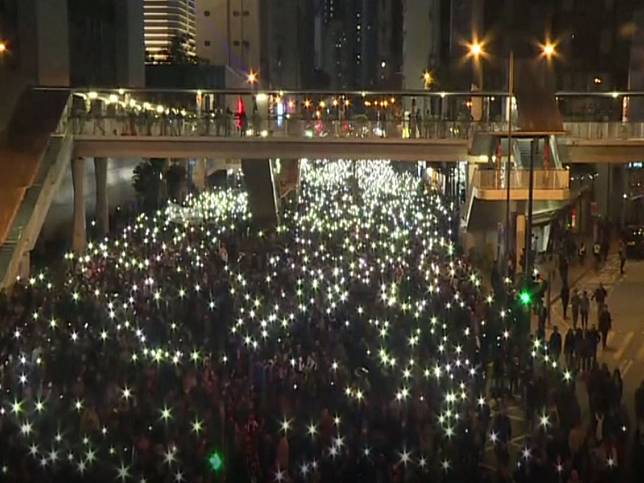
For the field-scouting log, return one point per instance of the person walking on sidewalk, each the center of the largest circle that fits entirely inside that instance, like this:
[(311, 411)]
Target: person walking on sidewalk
[(582, 253), (563, 269), (597, 253), (579, 348), (575, 301), (569, 347), (605, 324), (584, 309), (605, 246), (622, 260), (599, 296), (565, 298), (594, 338)]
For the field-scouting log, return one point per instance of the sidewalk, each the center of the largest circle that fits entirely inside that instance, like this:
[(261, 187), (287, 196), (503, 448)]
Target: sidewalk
[(582, 277)]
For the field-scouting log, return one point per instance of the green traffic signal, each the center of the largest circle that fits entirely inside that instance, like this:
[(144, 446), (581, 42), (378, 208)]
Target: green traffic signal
[(215, 461), (525, 297)]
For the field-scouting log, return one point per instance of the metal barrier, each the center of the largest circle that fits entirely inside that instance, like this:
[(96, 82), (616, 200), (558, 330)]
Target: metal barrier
[(213, 126), (605, 130), (395, 114), (544, 179)]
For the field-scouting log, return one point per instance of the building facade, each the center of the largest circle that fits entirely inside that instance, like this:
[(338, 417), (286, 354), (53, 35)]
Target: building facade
[(170, 25), (69, 43), (357, 42), (228, 32)]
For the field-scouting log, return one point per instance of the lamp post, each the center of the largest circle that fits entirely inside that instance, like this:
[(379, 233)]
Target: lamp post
[(528, 232), (252, 78), (548, 51), (476, 51), (508, 164)]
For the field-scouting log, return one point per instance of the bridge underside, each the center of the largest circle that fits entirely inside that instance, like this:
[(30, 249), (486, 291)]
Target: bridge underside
[(602, 151), (262, 148), (438, 150)]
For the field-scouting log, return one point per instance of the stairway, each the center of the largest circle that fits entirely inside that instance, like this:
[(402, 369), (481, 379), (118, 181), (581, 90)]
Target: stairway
[(524, 154), (33, 159)]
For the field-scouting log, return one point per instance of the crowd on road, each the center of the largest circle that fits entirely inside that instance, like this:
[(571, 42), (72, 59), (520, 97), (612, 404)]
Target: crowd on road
[(352, 343)]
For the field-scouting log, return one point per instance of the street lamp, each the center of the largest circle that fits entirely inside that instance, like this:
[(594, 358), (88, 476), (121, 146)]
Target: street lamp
[(548, 50), (427, 78), (476, 49), (252, 77)]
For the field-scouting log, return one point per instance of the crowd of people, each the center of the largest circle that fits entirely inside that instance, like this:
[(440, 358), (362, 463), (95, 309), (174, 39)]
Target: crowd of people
[(354, 342), (112, 115)]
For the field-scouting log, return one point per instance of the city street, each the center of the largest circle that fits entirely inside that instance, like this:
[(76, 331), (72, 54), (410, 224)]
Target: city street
[(626, 341), (626, 304)]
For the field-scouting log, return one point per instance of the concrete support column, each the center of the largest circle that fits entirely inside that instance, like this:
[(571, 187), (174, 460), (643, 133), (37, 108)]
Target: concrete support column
[(610, 186), (288, 177), (602, 189), (102, 207), (24, 267), (262, 195), (199, 174), (79, 234)]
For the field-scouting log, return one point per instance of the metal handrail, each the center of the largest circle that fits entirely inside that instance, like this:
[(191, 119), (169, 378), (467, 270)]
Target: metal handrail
[(544, 179), (356, 93)]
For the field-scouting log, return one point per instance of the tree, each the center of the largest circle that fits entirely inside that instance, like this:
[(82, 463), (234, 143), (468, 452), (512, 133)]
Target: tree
[(176, 178), (148, 181), (178, 51)]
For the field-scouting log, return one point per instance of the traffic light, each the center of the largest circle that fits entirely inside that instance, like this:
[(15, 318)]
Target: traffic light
[(525, 297), (215, 461)]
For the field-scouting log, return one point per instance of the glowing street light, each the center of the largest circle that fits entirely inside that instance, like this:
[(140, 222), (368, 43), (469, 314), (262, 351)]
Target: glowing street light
[(252, 77), (3, 47), (549, 50), (427, 78), (476, 49)]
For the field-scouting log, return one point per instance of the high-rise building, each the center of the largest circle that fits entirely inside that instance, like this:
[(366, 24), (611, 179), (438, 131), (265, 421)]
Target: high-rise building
[(250, 35), (356, 42), (106, 43), (421, 41), (287, 53), (228, 32), (169, 24), (592, 40), (70, 42), (212, 31)]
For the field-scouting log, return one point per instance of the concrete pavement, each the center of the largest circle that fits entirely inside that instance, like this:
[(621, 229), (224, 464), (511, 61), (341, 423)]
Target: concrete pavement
[(626, 341), (625, 348)]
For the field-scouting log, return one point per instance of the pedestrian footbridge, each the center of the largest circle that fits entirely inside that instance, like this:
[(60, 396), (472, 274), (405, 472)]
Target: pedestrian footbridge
[(406, 126), (53, 127)]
